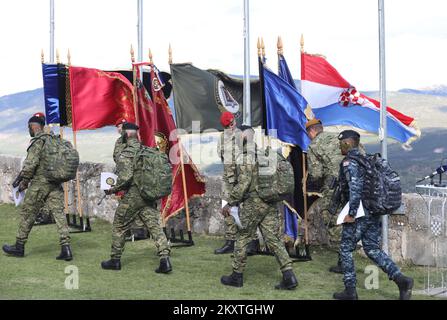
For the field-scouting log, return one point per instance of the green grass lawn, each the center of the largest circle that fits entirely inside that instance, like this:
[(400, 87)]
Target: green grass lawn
[(196, 274)]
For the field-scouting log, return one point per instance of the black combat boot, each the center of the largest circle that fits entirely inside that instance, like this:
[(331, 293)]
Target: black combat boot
[(348, 294), (234, 280), (405, 285), (337, 268), (66, 253), (17, 250), (253, 247), (165, 266), (112, 264), (288, 281), (228, 247)]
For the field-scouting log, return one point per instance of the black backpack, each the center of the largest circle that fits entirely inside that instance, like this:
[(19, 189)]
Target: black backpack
[(382, 190)]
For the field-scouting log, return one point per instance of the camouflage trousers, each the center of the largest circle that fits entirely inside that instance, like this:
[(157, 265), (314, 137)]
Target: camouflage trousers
[(231, 229), (38, 195), (321, 217), (131, 206), (367, 229), (256, 213)]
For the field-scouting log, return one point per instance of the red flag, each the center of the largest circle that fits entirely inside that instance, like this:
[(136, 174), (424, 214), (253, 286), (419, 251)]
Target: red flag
[(166, 138), (99, 98), (146, 115)]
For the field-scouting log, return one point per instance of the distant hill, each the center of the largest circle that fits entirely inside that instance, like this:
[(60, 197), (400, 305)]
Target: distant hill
[(426, 155), (440, 90), (428, 106), (15, 109)]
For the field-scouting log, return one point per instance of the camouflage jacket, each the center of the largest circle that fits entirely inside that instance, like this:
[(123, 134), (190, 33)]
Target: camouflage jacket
[(32, 168), (227, 143), (245, 186), (124, 165), (119, 147), (351, 179), (323, 158)]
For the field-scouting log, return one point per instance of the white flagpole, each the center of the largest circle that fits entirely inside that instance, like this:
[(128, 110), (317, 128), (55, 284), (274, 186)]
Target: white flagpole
[(383, 113), (140, 33), (51, 31), (247, 107)]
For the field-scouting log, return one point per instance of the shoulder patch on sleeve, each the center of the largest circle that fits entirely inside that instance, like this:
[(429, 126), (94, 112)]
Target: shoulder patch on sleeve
[(346, 163)]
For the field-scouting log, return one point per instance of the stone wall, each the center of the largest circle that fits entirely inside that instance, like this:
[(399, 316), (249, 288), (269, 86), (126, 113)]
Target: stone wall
[(411, 237)]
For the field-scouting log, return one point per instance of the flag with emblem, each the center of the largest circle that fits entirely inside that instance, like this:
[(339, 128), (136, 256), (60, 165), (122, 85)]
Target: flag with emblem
[(202, 95), (166, 139), (336, 102)]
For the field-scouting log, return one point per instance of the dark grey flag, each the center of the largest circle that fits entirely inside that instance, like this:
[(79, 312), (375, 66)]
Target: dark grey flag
[(202, 95)]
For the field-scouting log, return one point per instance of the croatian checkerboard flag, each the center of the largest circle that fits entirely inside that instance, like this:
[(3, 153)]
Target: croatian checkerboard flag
[(336, 102)]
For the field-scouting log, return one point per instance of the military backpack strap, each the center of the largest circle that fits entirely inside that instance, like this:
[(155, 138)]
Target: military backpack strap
[(136, 156), (33, 140)]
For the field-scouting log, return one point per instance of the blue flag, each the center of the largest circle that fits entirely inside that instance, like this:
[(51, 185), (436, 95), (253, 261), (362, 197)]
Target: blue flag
[(290, 218), (51, 92), (284, 71), (284, 110)]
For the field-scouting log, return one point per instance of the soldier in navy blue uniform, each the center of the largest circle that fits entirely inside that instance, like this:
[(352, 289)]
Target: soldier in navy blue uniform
[(366, 228)]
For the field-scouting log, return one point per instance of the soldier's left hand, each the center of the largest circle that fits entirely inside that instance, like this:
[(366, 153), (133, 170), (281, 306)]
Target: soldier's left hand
[(23, 185), (226, 210), (349, 219)]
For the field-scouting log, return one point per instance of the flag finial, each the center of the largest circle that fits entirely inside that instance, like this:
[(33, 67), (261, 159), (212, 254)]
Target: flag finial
[(132, 54), (151, 61), (263, 47), (302, 43), (279, 45), (58, 60), (42, 56), (69, 57), (170, 54), (259, 47)]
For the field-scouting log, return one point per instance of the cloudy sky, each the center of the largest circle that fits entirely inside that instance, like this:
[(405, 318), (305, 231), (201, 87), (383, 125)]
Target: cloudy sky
[(209, 34)]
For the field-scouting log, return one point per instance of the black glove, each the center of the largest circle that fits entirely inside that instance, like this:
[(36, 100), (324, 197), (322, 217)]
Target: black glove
[(23, 185), (16, 182), (109, 192)]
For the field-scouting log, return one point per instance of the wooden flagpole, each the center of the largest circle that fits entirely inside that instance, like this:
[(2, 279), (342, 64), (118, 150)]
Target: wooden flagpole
[(135, 90), (78, 186), (182, 164), (185, 193)]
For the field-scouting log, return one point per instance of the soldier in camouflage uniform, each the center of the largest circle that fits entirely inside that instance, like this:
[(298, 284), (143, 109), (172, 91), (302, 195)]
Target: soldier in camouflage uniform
[(138, 230), (255, 213), (366, 228), (132, 205), (40, 192), (119, 143), (228, 149), (323, 162)]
